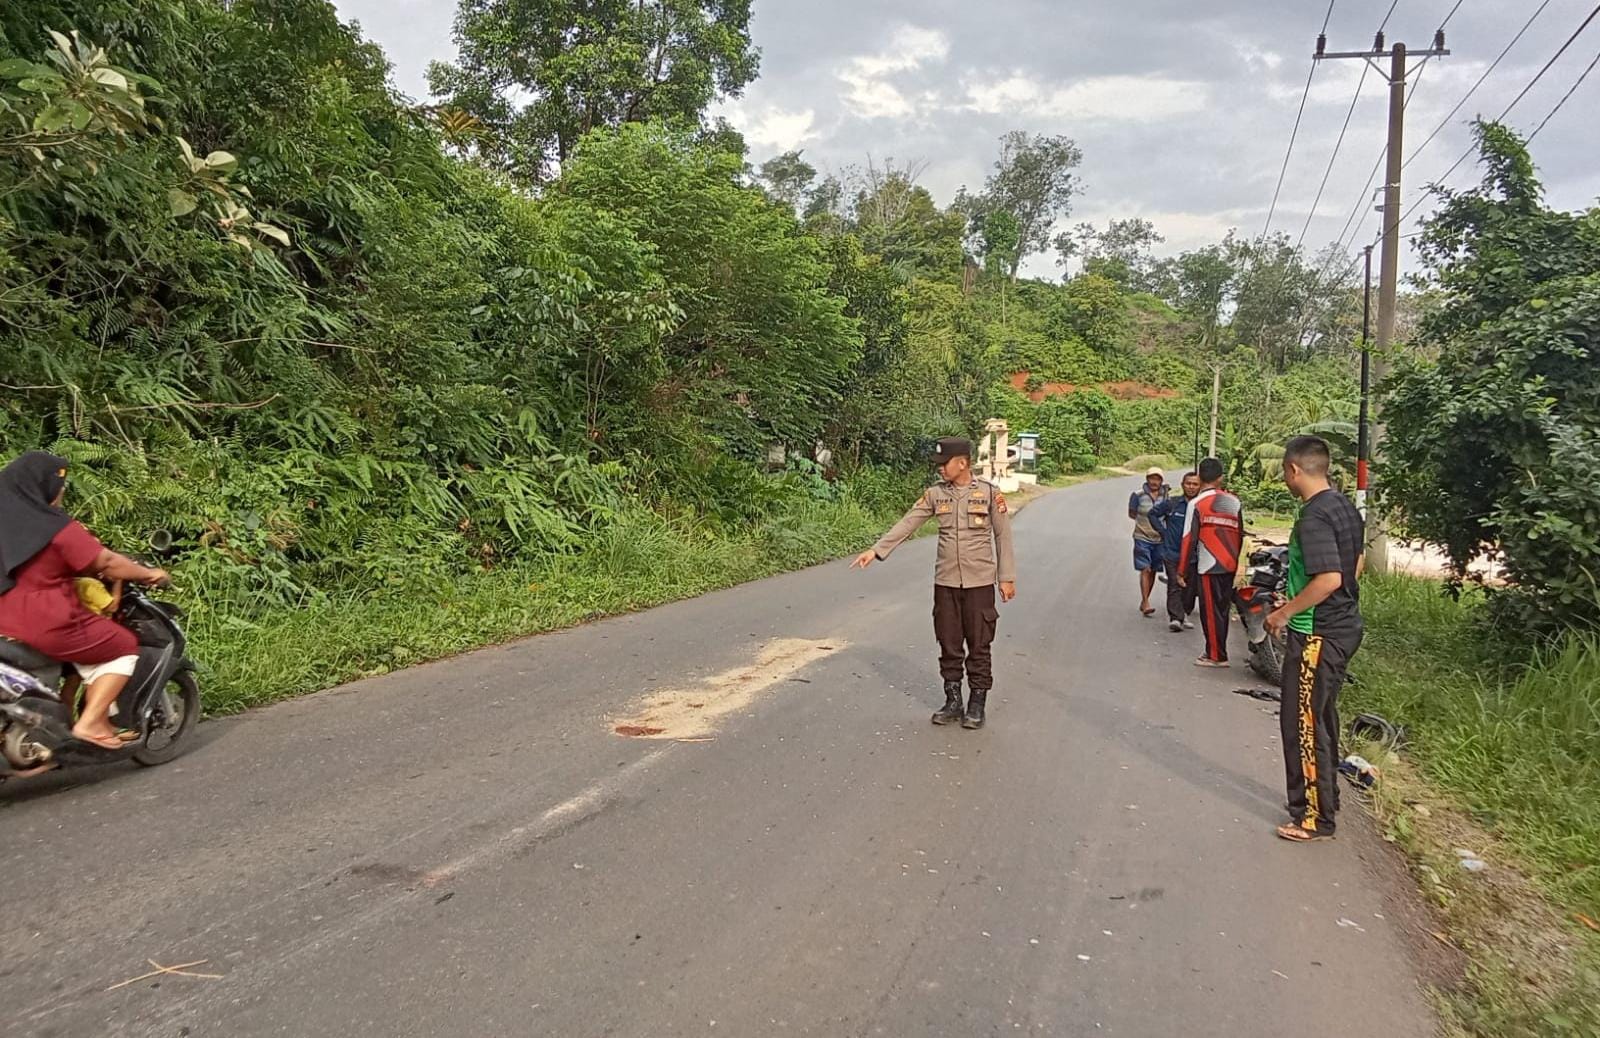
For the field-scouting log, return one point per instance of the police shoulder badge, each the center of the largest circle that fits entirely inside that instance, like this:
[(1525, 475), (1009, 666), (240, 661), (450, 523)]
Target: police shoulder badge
[(1000, 502)]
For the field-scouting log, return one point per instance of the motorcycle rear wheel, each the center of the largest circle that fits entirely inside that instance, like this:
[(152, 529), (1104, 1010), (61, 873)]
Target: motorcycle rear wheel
[(182, 710), (1266, 659)]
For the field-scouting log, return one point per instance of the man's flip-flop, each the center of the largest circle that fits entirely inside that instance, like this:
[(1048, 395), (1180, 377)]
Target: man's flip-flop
[(1294, 832), (127, 735), (1216, 664)]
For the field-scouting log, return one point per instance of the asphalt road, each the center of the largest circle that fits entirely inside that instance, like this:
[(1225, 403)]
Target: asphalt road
[(469, 848)]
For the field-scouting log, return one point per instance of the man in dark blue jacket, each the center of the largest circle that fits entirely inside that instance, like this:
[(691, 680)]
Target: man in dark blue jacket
[(1168, 517)]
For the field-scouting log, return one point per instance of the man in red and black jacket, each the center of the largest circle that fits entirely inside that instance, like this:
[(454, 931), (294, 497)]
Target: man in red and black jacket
[(1213, 536)]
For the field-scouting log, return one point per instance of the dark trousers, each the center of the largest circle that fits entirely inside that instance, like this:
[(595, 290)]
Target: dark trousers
[(1216, 597), (964, 619), (1313, 672), (1180, 600)]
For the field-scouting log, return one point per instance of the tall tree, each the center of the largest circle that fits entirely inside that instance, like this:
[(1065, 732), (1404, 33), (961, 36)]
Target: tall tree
[(1121, 252), (1033, 182), (1204, 282), (898, 219), (542, 73), (1288, 306), (788, 178)]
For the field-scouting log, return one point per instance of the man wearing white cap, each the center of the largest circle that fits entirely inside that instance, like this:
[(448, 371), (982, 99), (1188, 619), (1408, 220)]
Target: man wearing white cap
[(1146, 537)]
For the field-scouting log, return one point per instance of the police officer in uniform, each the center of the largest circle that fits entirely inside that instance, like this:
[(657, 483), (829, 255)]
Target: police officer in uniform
[(974, 555)]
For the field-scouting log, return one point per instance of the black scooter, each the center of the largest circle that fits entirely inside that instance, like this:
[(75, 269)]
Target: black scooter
[(161, 701)]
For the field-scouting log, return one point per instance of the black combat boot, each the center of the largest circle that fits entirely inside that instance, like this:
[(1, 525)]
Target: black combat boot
[(951, 712), (975, 703)]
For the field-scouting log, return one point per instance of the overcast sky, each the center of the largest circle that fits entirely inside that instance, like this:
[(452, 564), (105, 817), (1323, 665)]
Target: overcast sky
[(1183, 108)]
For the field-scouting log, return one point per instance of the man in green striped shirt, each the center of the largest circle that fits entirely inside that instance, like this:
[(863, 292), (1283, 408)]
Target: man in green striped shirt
[(1324, 629)]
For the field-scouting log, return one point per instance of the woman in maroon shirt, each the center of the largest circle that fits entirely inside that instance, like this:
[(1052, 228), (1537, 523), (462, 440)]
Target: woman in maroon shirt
[(42, 551)]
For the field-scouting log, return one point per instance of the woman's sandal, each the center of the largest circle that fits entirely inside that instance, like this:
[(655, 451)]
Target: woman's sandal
[(104, 742), (1151, 611), (1294, 832)]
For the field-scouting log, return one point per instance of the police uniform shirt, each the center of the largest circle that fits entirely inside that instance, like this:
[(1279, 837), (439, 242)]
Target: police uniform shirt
[(974, 534)]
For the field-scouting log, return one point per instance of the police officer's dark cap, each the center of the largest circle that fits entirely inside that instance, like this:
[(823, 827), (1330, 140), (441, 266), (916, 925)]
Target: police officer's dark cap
[(950, 447)]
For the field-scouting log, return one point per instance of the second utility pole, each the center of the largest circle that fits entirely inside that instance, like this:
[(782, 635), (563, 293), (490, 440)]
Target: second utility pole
[(1389, 264), (1216, 397)]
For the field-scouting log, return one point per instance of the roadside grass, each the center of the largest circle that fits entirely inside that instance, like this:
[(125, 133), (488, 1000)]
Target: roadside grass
[(1272, 525), (1504, 759), (1140, 463), (641, 560)]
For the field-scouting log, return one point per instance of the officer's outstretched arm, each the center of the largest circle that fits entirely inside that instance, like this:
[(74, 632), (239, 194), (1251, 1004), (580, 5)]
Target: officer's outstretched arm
[(920, 513)]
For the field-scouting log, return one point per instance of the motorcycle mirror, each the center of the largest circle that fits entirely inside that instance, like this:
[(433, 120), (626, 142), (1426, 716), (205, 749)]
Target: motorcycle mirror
[(161, 541)]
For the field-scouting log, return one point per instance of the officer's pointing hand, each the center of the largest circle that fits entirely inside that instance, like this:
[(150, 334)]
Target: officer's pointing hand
[(1008, 590), (865, 559)]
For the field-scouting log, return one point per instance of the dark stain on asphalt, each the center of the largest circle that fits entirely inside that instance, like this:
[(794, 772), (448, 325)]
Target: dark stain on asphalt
[(386, 872)]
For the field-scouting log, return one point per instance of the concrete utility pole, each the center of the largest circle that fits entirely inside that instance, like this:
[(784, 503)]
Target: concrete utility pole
[(1216, 395), (1389, 263), (1364, 433)]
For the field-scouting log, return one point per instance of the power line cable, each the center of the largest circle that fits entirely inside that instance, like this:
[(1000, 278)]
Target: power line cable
[(1507, 111), (1452, 13), (1289, 152), (1338, 144), (1557, 57), (1564, 99), (1468, 95), (1385, 23), (1345, 238)]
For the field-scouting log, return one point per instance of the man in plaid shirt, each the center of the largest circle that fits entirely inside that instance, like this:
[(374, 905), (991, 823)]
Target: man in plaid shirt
[(1323, 618)]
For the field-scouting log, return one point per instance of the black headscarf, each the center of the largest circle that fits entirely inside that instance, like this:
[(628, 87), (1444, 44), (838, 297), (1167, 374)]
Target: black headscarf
[(28, 519)]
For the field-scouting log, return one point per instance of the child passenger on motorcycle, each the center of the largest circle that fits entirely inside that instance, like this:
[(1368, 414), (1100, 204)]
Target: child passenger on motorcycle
[(101, 601)]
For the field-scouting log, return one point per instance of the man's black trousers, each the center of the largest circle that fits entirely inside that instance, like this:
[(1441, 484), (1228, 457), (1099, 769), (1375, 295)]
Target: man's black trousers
[(1216, 598), (1180, 600), (964, 620), (1314, 668)]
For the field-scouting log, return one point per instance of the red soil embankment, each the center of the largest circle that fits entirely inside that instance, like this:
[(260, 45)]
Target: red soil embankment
[(1116, 390)]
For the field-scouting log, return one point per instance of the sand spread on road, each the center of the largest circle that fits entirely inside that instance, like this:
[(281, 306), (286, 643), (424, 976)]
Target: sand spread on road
[(693, 713)]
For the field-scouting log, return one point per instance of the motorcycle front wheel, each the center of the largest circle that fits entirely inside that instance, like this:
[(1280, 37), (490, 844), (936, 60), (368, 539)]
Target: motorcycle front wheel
[(175, 717)]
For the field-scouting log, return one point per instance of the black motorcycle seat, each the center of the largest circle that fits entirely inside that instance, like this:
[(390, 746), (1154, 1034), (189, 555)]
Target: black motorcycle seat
[(27, 658)]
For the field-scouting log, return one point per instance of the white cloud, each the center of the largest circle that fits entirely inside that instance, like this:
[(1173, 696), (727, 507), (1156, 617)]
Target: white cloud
[(771, 128), (1123, 98), (874, 98), (911, 48), (870, 94)]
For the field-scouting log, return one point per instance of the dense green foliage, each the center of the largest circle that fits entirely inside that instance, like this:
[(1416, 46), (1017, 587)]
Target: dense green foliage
[(437, 372), (1495, 427)]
